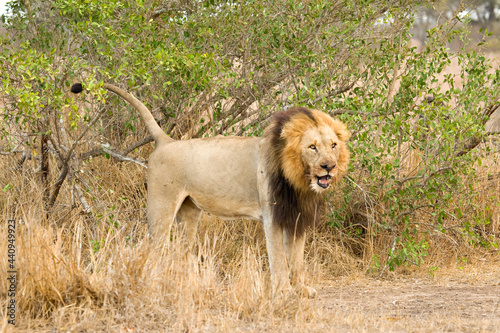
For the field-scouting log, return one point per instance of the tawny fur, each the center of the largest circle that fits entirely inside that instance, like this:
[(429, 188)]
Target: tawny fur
[(296, 205), (280, 179)]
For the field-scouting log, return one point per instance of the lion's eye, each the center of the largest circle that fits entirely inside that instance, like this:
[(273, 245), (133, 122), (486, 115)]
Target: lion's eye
[(313, 147), (334, 145)]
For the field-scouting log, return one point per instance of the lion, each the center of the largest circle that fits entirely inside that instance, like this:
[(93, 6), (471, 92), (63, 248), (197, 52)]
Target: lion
[(280, 179)]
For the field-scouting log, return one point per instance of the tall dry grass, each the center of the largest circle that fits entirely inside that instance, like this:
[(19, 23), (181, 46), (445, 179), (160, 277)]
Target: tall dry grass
[(78, 272), (81, 272)]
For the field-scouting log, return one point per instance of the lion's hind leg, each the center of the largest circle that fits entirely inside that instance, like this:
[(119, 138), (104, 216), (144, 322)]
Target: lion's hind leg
[(189, 215), (163, 206)]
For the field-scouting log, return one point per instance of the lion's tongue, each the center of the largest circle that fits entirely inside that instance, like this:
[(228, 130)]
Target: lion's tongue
[(325, 180)]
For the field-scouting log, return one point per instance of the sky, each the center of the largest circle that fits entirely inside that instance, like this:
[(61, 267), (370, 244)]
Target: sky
[(2, 6)]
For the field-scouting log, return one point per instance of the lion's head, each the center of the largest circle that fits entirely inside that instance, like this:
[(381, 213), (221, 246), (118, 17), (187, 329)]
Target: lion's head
[(309, 148), (307, 153)]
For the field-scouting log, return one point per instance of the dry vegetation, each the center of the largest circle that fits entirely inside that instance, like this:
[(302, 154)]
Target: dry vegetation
[(78, 275), (88, 266)]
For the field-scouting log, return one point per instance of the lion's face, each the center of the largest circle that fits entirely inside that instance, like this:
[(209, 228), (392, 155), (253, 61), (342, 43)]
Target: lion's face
[(315, 153), (319, 148)]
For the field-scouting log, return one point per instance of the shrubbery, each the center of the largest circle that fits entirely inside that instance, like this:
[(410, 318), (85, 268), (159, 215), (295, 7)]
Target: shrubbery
[(217, 67)]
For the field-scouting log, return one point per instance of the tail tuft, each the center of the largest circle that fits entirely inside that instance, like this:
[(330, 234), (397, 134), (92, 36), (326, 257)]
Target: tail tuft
[(77, 88)]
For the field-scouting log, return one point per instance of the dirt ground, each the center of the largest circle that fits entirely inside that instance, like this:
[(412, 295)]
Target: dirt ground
[(460, 301), (456, 300), (411, 306), (371, 305)]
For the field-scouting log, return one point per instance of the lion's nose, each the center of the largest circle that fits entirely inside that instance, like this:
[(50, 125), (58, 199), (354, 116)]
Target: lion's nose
[(327, 167)]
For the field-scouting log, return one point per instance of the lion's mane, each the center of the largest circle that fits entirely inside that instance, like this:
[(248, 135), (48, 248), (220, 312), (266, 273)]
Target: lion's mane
[(295, 205)]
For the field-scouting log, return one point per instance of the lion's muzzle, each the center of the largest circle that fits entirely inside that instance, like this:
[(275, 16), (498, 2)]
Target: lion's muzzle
[(328, 167), (324, 181)]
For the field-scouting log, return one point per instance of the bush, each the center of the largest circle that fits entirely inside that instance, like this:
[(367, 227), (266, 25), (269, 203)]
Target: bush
[(218, 67)]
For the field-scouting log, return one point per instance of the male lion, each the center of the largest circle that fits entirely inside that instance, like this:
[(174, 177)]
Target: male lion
[(280, 179)]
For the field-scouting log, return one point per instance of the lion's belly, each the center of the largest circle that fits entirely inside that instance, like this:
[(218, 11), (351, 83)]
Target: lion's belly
[(230, 209), (231, 191)]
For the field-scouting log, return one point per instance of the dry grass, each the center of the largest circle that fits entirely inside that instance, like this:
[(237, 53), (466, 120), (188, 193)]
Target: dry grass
[(76, 274), (82, 273)]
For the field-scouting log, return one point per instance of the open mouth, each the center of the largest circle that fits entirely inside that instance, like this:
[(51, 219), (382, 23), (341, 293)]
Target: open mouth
[(324, 181)]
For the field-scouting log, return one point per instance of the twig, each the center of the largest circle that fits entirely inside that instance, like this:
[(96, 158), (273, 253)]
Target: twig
[(138, 144), (86, 208), (121, 158), (335, 92), (409, 212), (65, 161), (474, 142), (393, 246), (99, 151)]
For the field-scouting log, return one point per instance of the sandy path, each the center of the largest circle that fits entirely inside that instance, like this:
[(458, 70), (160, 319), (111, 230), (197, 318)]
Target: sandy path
[(408, 306)]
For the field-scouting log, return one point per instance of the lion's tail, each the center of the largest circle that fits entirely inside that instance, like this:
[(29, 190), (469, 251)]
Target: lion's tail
[(153, 128)]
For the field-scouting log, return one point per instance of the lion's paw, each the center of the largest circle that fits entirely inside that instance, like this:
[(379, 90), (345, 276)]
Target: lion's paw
[(304, 290), (282, 290)]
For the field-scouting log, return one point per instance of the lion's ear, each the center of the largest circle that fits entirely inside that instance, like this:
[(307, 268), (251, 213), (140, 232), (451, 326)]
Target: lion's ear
[(341, 130)]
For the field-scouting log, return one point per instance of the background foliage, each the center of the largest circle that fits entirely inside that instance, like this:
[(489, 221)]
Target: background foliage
[(222, 67)]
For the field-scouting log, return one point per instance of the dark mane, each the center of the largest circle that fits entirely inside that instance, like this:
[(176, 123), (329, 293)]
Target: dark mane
[(292, 209), (279, 120)]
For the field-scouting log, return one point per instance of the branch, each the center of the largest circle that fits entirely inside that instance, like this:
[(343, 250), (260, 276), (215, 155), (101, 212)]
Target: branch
[(86, 208), (121, 158), (162, 10), (424, 183), (58, 184), (400, 183), (474, 142), (350, 112), (409, 212), (136, 145), (44, 166), (75, 143), (244, 97), (99, 151), (335, 92), (490, 111), (65, 160), (262, 119)]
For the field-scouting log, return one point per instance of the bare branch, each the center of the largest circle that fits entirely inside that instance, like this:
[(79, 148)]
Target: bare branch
[(44, 166), (77, 141), (85, 206), (122, 158), (58, 184), (137, 144), (99, 151)]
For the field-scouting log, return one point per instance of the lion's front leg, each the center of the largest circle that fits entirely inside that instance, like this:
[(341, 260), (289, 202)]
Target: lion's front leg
[(294, 247), (277, 258)]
